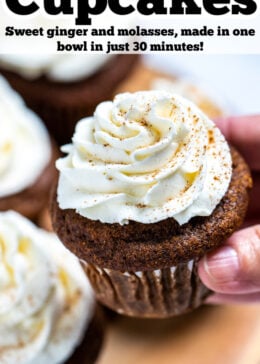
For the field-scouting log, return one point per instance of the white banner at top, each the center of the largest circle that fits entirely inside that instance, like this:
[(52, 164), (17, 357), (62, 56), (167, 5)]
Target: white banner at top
[(124, 26)]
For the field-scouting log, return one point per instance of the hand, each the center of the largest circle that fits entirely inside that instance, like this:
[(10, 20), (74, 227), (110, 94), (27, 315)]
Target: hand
[(233, 270)]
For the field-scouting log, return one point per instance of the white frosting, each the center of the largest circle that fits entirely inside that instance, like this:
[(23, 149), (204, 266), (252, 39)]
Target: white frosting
[(63, 67), (201, 96), (45, 298), (145, 157), (180, 87), (24, 143)]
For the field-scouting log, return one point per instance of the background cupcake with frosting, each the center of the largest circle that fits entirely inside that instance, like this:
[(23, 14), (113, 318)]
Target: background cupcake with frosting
[(27, 156), (61, 89), (47, 308), (146, 77)]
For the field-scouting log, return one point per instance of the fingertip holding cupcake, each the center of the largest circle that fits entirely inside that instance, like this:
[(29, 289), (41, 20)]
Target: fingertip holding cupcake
[(233, 299), (232, 270), (219, 270), (148, 186)]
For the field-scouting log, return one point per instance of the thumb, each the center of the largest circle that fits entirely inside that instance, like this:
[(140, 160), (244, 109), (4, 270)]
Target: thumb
[(244, 133), (234, 268)]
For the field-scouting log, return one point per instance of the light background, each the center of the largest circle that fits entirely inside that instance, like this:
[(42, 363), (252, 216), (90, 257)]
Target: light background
[(234, 79)]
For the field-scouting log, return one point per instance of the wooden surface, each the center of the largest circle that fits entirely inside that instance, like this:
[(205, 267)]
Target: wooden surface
[(210, 335)]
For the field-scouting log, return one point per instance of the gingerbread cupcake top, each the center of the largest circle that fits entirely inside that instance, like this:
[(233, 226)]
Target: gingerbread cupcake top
[(145, 157), (25, 148), (45, 298)]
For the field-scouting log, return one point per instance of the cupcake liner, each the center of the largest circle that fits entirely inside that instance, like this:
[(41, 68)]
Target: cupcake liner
[(158, 293), (60, 120)]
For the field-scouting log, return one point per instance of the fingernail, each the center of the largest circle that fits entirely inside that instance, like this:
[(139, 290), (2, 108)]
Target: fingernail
[(222, 265)]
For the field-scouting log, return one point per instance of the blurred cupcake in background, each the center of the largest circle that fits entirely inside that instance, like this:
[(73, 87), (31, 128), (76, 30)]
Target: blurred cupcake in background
[(26, 156), (194, 92), (147, 78), (62, 88), (46, 303)]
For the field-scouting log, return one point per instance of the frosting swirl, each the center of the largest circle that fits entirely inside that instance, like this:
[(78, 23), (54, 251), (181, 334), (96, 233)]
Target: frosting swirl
[(145, 157), (45, 299), (24, 143)]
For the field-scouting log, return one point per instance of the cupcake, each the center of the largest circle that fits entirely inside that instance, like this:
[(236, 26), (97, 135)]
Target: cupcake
[(62, 88), (146, 78), (148, 187), (46, 302), (27, 156), (209, 103)]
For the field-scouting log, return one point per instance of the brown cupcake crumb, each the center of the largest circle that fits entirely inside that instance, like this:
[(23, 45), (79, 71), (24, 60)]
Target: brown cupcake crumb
[(139, 247)]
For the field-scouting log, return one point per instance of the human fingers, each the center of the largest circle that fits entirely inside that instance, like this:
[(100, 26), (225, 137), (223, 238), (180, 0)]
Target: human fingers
[(234, 268), (254, 205), (244, 133), (219, 298)]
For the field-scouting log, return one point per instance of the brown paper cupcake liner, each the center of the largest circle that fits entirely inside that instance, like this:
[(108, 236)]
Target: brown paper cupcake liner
[(60, 120), (156, 294)]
